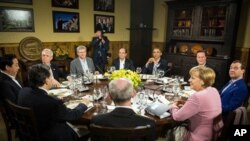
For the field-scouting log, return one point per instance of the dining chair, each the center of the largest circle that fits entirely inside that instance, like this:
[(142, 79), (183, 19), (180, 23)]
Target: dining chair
[(25, 122), (217, 127), (7, 120), (100, 133), (236, 117), (246, 101)]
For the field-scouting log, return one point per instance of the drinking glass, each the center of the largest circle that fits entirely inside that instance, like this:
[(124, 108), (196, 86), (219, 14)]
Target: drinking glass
[(176, 90), (181, 79), (138, 70), (161, 72), (112, 69)]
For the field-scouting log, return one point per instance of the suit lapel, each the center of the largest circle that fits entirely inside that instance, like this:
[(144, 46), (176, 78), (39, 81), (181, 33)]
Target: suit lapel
[(7, 78), (126, 65), (118, 64), (231, 88)]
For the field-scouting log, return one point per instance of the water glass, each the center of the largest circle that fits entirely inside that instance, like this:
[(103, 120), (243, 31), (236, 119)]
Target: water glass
[(138, 70), (181, 79), (112, 69), (161, 72)]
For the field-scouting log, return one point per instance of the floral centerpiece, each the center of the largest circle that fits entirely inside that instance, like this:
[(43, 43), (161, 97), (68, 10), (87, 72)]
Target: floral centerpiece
[(60, 54), (133, 76)]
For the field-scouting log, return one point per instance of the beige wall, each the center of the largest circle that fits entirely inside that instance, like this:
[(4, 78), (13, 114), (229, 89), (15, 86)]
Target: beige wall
[(243, 36), (44, 26), (160, 21)]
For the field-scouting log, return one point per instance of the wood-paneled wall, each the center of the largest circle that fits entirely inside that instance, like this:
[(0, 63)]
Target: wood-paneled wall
[(243, 55), (13, 48)]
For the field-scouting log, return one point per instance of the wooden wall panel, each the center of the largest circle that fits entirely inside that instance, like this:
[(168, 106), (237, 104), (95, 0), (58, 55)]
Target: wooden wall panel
[(243, 55)]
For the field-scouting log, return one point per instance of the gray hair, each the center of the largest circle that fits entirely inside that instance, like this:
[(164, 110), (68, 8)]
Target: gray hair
[(121, 90), (48, 50), (80, 47)]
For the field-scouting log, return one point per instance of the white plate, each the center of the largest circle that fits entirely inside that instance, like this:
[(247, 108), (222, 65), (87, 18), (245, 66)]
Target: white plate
[(83, 89), (66, 83), (147, 76), (73, 103), (88, 82), (164, 90), (158, 82), (60, 92)]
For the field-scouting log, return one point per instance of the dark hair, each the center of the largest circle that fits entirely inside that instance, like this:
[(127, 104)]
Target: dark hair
[(7, 60), (242, 65), (202, 51), (102, 31), (157, 48), (38, 74), (124, 49)]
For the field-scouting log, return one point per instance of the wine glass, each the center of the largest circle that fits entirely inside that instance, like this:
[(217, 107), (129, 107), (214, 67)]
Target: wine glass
[(112, 69), (138, 70), (161, 72)]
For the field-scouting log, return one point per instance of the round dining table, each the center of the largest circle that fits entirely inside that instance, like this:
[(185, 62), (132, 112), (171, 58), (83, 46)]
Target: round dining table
[(161, 123)]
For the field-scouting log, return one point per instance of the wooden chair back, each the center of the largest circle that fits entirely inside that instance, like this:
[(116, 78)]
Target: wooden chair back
[(9, 125), (246, 101), (217, 127), (236, 117), (100, 133), (25, 122)]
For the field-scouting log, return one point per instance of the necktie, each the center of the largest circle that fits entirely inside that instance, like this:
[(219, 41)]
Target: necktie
[(228, 85)]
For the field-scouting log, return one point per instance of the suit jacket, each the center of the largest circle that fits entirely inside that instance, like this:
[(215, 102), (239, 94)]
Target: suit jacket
[(128, 64), (200, 108), (100, 50), (51, 114), (76, 66), (233, 96), (123, 117), (57, 73), (9, 88), (149, 69)]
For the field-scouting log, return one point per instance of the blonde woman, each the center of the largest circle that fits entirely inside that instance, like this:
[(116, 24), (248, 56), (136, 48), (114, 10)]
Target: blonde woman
[(201, 107)]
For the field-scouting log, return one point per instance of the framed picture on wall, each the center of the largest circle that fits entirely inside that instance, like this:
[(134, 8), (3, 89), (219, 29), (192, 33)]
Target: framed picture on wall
[(18, 1), (104, 5), (14, 19), (66, 21), (105, 23), (66, 3)]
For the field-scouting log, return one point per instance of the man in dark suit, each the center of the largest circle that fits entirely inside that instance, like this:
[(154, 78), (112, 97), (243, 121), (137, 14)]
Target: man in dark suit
[(121, 91), (155, 63), (56, 73), (51, 114), (100, 44), (201, 59), (9, 86), (122, 62), (235, 92)]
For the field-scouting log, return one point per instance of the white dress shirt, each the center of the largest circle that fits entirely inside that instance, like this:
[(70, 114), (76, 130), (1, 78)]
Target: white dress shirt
[(122, 64), (84, 65)]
